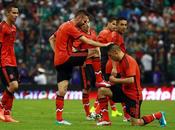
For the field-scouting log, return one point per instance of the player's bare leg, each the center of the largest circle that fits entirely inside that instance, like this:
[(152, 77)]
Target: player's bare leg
[(95, 54), (7, 102), (62, 89), (160, 116)]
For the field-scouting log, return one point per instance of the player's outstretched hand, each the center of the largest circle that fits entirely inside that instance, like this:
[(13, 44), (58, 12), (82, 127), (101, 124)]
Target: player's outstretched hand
[(109, 43), (112, 78)]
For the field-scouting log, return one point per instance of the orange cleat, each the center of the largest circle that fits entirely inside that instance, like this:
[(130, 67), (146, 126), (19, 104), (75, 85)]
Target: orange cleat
[(8, 118), (2, 118)]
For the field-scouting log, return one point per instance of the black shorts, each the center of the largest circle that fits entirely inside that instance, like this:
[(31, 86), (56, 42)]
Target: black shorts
[(64, 71), (132, 106), (8, 74), (104, 60), (87, 77)]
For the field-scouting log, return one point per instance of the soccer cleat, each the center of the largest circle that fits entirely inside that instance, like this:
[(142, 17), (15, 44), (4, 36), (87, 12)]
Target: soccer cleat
[(90, 118), (63, 122), (95, 116), (2, 118), (92, 109), (103, 123), (116, 113), (98, 116), (126, 119), (8, 118), (162, 120), (103, 84)]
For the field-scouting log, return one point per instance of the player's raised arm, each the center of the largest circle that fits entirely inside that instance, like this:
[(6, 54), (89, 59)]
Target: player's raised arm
[(52, 42), (92, 42)]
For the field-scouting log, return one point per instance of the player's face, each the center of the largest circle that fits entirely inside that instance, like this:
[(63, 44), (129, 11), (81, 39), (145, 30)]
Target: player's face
[(114, 55), (82, 20), (122, 26), (85, 27), (112, 25), (13, 14)]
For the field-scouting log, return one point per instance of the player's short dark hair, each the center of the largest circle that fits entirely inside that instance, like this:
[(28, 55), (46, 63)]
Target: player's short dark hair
[(121, 18), (81, 12), (10, 6), (113, 47), (111, 19)]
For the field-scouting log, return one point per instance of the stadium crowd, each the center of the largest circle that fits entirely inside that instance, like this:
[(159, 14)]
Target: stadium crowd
[(150, 36)]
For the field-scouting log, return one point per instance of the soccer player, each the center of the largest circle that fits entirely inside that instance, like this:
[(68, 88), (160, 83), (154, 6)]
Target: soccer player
[(64, 59), (91, 70), (117, 39), (122, 25), (91, 66), (107, 35), (131, 92), (8, 66)]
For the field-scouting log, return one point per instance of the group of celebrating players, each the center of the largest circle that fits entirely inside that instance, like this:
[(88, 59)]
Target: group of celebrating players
[(102, 59)]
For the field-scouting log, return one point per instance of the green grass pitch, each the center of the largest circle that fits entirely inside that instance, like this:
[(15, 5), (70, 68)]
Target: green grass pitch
[(40, 115)]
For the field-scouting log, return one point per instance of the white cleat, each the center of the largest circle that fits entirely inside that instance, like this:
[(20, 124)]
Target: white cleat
[(95, 116), (126, 119), (103, 123), (103, 84), (63, 122), (89, 118)]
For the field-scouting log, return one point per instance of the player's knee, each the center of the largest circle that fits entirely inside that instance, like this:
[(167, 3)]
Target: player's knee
[(13, 85), (62, 87), (85, 91), (110, 93), (101, 90), (104, 91), (100, 93), (62, 91)]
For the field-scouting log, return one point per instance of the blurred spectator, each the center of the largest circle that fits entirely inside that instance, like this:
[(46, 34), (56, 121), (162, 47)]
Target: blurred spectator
[(146, 61), (171, 63), (76, 76), (157, 76), (24, 74), (40, 78)]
